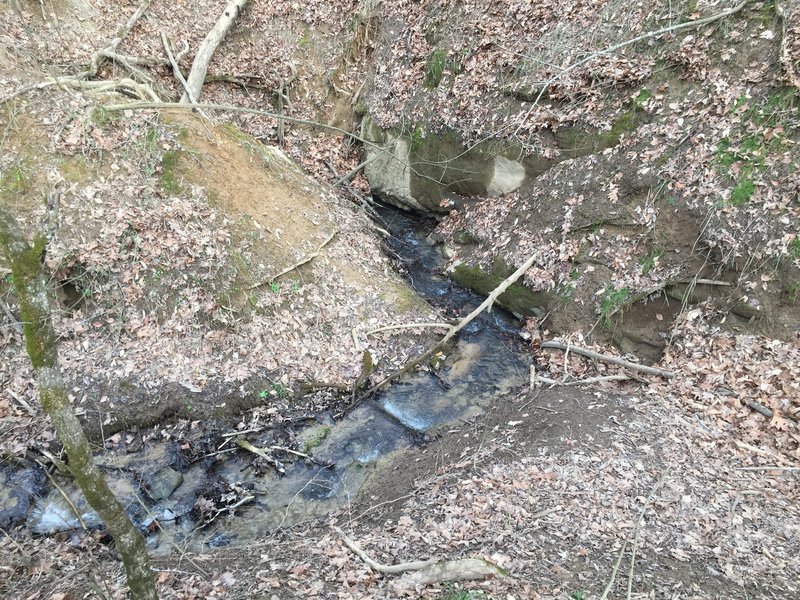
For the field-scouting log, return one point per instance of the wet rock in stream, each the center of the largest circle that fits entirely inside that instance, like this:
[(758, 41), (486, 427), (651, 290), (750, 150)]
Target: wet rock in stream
[(18, 488)]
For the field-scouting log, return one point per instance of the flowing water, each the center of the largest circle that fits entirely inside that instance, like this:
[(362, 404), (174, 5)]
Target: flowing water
[(487, 363)]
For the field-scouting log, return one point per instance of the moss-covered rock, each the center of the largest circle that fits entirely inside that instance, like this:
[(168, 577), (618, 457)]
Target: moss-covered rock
[(517, 299)]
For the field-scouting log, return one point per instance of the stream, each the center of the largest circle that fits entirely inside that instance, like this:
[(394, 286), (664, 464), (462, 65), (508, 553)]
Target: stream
[(221, 499)]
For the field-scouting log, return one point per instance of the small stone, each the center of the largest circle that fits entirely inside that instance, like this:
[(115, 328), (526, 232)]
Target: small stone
[(162, 483)]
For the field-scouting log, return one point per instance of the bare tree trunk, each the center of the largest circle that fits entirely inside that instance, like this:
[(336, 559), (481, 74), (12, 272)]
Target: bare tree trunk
[(207, 48), (30, 282)]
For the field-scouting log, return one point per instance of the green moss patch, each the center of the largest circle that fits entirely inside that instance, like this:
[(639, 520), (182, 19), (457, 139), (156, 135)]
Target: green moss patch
[(517, 299), (169, 179)]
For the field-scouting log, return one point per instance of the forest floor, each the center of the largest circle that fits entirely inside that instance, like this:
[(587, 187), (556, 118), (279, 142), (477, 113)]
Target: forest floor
[(669, 488)]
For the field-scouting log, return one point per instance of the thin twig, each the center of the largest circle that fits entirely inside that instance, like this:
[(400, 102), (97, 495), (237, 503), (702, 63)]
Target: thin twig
[(176, 70), (614, 571), (242, 109), (65, 496), (22, 402), (12, 540), (290, 451), (289, 269), (156, 105), (353, 173), (638, 530), (770, 468), (587, 381), (376, 506), (638, 38), (13, 323), (235, 433)]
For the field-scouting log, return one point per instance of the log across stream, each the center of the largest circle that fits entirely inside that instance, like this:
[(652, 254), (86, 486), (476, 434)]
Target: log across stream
[(486, 363)]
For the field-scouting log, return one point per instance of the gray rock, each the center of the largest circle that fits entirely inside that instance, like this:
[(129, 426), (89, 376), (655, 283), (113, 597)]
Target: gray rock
[(162, 483), (17, 491)]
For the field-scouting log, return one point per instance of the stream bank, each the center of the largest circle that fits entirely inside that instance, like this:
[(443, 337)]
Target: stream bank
[(202, 490)]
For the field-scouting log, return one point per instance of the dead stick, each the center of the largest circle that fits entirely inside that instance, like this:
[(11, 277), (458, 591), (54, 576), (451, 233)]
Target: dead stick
[(176, 70), (17, 325), (790, 469), (635, 544), (353, 173), (197, 74), (588, 381), (408, 326), (155, 105), (97, 59), (22, 402), (291, 268), (639, 38), (614, 571), (610, 359), (64, 495), (485, 305), (376, 566)]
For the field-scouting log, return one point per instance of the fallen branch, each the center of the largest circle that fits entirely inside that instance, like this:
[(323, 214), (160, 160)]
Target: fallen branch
[(463, 569), (536, 378), (774, 468), (428, 571), (610, 359), (291, 268), (376, 566), (208, 46), (454, 329), (408, 326)]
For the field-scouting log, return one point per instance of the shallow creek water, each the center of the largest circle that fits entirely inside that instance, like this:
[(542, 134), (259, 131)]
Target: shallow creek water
[(486, 364)]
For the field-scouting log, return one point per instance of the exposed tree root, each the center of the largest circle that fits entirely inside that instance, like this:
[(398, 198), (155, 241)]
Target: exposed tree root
[(306, 259)]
